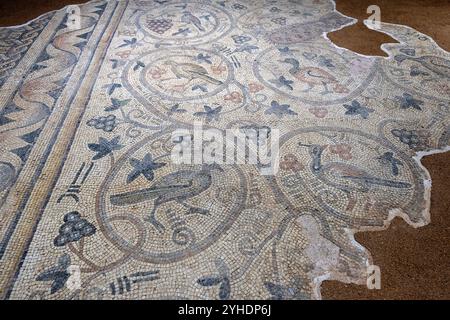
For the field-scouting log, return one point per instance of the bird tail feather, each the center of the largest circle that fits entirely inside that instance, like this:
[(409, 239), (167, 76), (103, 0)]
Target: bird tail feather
[(132, 197), (126, 198), (209, 79), (381, 182)]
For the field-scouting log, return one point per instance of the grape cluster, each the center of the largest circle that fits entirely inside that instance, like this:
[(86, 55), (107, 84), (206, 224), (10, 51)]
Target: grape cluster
[(239, 6), (159, 25), (73, 229), (279, 20), (240, 39), (106, 124)]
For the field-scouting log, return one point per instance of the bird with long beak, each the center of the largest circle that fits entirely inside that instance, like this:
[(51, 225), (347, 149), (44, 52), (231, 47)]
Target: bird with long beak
[(177, 186), (346, 177), (437, 65)]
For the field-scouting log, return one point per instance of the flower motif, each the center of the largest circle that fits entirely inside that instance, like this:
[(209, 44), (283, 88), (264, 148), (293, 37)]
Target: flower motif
[(342, 150), (407, 101), (356, 109), (388, 159), (156, 72), (218, 69), (178, 87), (104, 147), (282, 82), (124, 54), (339, 88), (254, 87), (318, 112), (290, 162), (210, 114), (279, 109), (234, 96), (144, 167)]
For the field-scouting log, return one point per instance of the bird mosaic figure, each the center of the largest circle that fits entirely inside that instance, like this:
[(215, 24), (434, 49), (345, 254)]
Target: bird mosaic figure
[(437, 65), (344, 176), (189, 18), (178, 186), (191, 71), (314, 76)]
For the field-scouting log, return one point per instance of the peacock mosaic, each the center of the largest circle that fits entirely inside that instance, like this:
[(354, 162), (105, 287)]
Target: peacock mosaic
[(92, 207)]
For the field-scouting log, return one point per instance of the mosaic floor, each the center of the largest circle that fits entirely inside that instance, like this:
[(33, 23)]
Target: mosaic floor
[(92, 207)]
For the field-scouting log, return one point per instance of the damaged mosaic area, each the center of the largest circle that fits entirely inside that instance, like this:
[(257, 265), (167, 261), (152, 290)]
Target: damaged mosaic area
[(86, 116)]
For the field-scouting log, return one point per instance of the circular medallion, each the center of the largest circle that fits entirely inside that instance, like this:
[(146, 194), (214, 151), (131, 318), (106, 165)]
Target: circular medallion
[(185, 23), (356, 178), (183, 74), (161, 212), (416, 71), (314, 74), (184, 85)]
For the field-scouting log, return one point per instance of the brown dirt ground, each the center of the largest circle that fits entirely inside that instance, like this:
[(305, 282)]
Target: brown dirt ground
[(415, 263)]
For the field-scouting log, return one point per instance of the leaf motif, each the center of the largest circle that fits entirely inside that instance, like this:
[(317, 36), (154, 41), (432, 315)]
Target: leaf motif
[(132, 176), (120, 103), (275, 290), (101, 154), (59, 283), (224, 290), (209, 281), (64, 261), (95, 147), (113, 87), (50, 274), (111, 108), (116, 104)]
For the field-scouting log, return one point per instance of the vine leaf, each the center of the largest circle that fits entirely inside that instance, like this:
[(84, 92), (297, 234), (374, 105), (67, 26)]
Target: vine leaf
[(116, 104)]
